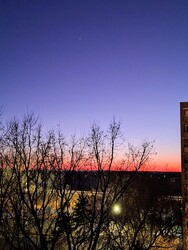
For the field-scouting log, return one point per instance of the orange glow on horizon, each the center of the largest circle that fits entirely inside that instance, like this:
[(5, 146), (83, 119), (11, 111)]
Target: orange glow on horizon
[(154, 165)]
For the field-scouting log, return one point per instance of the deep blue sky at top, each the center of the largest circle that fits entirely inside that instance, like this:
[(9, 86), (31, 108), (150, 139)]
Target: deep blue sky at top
[(74, 62)]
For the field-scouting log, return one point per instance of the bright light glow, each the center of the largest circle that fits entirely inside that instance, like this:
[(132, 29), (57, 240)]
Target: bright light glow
[(116, 209)]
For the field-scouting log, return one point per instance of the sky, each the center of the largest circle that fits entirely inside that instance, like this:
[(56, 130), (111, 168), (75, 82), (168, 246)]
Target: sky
[(75, 62)]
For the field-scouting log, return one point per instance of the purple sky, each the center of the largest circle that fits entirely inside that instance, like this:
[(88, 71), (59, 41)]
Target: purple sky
[(74, 62)]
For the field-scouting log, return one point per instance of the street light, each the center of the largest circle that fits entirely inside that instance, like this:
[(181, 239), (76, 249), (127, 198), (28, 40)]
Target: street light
[(116, 209)]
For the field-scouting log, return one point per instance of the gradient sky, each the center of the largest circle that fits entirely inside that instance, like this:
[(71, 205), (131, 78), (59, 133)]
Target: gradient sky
[(75, 62)]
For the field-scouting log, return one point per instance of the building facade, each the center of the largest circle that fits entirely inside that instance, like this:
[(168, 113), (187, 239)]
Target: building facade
[(184, 168)]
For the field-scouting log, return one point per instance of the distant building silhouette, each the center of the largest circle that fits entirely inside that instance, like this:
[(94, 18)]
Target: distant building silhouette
[(184, 168)]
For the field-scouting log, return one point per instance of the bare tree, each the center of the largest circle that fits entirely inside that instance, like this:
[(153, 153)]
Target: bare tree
[(43, 204), (34, 194), (108, 188), (148, 220)]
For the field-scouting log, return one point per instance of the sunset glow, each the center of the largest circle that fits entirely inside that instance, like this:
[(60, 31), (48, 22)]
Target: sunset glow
[(75, 63)]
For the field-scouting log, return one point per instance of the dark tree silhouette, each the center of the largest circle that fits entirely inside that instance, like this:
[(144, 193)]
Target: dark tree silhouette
[(41, 206)]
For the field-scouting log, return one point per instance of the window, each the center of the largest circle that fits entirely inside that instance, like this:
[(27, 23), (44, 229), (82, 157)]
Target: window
[(186, 112), (186, 159), (185, 142), (186, 128), (186, 175)]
